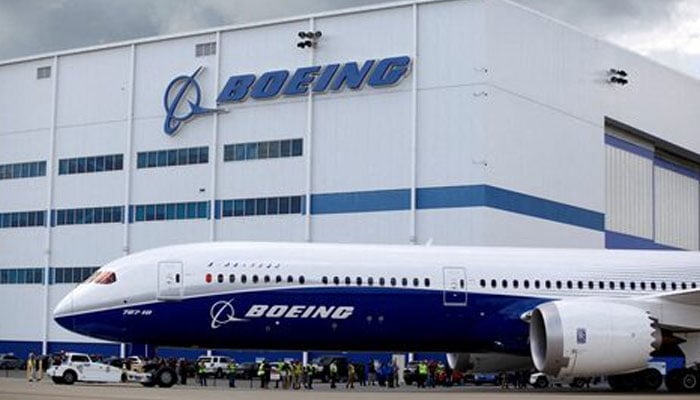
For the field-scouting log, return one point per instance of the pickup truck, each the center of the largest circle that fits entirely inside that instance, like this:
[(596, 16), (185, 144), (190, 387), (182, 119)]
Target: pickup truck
[(78, 367)]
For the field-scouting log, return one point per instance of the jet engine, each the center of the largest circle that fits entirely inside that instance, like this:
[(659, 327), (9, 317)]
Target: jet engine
[(588, 338)]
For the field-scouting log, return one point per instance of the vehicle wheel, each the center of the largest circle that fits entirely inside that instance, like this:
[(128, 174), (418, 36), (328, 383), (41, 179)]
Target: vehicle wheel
[(578, 383), (124, 378), (219, 374), (57, 380), (622, 383), (69, 377), (650, 380), (165, 377), (541, 382)]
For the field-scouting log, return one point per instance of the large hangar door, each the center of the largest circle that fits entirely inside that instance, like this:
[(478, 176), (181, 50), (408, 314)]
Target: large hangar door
[(170, 280), (455, 286)]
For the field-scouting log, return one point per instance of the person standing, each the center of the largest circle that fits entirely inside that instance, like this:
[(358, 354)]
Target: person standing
[(31, 367), (310, 372), (232, 374), (351, 377), (333, 369), (202, 374), (372, 369), (422, 374), (261, 374)]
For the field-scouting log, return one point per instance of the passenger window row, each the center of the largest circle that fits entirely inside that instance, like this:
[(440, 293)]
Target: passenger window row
[(590, 285), (370, 281), (243, 278)]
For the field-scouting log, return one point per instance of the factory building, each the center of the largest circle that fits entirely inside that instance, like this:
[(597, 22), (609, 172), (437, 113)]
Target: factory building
[(466, 122)]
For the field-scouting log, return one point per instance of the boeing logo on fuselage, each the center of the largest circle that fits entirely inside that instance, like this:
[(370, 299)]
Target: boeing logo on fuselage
[(317, 79)]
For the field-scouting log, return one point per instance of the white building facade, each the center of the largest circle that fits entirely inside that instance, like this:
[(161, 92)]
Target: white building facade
[(467, 122)]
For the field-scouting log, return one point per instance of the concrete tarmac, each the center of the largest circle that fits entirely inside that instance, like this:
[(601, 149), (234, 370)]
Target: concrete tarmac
[(19, 389)]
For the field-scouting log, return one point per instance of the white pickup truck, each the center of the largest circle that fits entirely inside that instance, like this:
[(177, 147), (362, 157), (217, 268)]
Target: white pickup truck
[(78, 367)]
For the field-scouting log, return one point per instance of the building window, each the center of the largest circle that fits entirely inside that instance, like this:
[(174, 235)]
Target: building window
[(23, 170), (22, 219), (21, 276), (85, 165), (71, 274), (172, 157), (262, 150), (43, 72), (205, 49), (171, 211), (96, 215), (262, 206)]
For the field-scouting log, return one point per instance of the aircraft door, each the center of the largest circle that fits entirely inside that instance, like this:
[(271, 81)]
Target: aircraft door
[(170, 280), (455, 286)]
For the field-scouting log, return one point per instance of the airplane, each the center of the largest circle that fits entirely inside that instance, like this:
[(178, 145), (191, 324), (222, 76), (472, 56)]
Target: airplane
[(568, 312)]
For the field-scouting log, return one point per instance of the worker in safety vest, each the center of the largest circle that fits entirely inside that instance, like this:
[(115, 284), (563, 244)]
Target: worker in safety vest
[(202, 374), (422, 374), (333, 369), (231, 369)]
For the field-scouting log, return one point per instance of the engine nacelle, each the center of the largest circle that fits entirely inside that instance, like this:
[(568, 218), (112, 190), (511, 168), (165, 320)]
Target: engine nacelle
[(591, 338), (487, 362)]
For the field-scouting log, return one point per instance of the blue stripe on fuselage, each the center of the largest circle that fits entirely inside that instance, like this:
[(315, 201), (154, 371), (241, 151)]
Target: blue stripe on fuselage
[(394, 319)]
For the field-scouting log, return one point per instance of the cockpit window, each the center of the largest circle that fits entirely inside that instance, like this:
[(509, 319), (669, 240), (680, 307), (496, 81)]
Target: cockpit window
[(103, 278)]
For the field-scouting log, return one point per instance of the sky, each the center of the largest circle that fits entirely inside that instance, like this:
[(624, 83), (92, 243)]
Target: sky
[(667, 31)]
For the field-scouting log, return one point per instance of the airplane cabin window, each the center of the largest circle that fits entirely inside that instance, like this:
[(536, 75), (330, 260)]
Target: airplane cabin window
[(569, 285), (404, 282), (590, 285), (461, 283), (693, 285), (493, 283), (393, 281), (255, 279), (482, 283), (548, 284), (515, 283), (426, 282), (207, 278), (579, 284), (416, 282), (302, 279), (643, 285), (504, 283), (290, 279), (558, 284), (653, 286), (537, 283), (177, 278), (663, 285), (220, 278), (278, 278), (370, 281), (611, 285), (673, 285), (622, 285), (601, 285), (267, 279), (244, 278), (231, 278), (381, 281), (633, 286), (358, 280), (683, 286), (336, 280), (324, 280), (347, 280)]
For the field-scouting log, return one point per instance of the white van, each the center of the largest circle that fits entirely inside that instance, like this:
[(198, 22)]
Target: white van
[(215, 365)]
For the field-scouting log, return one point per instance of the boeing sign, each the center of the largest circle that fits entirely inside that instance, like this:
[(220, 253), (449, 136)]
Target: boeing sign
[(183, 95)]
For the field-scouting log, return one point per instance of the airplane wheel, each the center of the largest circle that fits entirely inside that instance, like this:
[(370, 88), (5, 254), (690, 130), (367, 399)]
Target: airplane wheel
[(682, 380), (650, 380), (622, 383), (541, 382), (69, 377), (166, 377)]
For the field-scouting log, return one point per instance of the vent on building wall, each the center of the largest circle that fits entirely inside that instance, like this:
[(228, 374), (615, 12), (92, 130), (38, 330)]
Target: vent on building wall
[(43, 72), (205, 49)]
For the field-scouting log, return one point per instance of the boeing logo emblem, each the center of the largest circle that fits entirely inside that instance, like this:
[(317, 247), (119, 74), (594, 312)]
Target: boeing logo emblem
[(183, 95), (222, 312), (176, 113)]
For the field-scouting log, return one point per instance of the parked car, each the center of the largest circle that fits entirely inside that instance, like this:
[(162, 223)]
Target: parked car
[(410, 373), (215, 365), (247, 370), (10, 361), (541, 381), (322, 365)]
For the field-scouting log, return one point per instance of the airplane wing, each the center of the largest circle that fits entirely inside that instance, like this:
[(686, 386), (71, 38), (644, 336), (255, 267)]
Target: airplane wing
[(677, 311)]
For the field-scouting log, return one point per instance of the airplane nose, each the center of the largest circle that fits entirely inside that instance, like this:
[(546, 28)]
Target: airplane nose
[(65, 306)]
